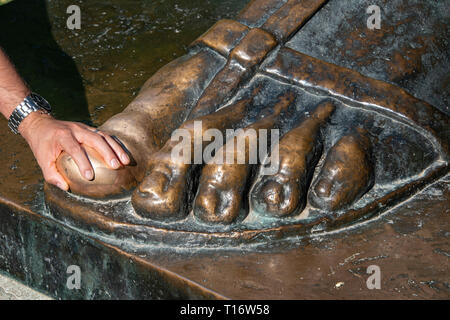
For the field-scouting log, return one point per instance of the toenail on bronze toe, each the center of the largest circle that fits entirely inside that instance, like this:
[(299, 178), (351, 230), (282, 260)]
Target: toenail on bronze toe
[(207, 200), (216, 206), (206, 204), (155, 183), (161, 195), (272, 193), (277, 199)]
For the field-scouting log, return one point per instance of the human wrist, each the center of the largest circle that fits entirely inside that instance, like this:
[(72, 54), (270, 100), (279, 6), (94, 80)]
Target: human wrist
[(32, 103), (31, 122), (10, 99)]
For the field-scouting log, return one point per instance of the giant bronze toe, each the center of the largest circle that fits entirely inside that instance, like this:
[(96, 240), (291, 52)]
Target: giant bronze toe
[(107, 182)]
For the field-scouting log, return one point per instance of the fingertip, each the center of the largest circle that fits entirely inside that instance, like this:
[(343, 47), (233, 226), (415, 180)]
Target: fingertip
[(51, 175), (89, 174), (115, 164), (118, 149), (124, 158), (62, 186)]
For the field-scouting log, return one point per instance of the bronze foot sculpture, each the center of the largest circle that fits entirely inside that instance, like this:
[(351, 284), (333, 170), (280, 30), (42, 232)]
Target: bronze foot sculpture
[(338, 161)]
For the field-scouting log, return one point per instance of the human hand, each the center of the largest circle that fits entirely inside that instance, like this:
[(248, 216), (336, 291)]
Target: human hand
[(48, 137)]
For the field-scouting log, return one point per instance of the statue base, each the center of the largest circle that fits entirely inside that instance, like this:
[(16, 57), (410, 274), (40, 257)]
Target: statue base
[(407, 243)]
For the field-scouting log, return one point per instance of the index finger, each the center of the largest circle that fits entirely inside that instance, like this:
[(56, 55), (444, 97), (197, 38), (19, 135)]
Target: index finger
[(74, 149)]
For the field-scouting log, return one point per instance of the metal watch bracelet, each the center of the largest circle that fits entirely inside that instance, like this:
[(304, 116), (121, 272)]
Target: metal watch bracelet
[(24, 109)]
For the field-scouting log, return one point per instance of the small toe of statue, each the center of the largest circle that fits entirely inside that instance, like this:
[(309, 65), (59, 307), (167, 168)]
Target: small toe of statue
[(347, 174)]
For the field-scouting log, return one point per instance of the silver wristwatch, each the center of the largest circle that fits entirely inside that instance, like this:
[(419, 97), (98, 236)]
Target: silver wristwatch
[(33, 102)]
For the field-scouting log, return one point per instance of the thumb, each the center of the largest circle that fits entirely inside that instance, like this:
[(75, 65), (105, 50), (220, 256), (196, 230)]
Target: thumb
[(51, 175)]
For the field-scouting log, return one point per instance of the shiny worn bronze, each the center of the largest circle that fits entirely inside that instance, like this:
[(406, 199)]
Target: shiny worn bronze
[(351, 146), (290, 17), (243, 58), (223, 36)]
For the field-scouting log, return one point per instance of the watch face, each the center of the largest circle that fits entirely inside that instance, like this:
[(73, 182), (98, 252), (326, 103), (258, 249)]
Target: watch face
[(41, 102)]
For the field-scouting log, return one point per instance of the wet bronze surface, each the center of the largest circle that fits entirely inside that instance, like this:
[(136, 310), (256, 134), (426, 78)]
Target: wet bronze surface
[(290, 17), (223, 36), (409, 50)]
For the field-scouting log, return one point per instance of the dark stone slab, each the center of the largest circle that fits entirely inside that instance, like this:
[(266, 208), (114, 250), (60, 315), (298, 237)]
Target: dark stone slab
[(38, 252)]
